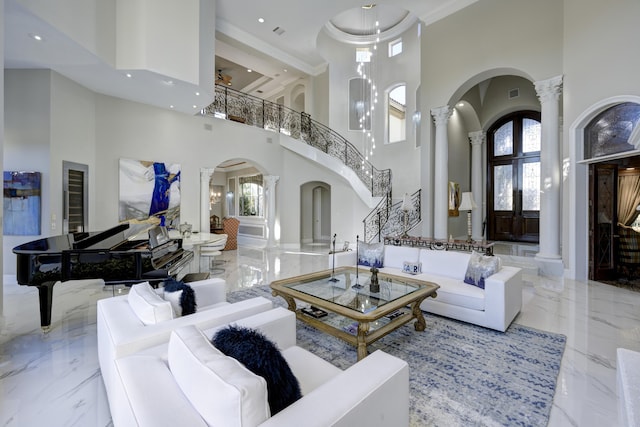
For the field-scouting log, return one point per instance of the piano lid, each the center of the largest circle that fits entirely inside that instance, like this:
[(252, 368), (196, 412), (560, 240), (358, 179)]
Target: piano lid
[(82, 240)]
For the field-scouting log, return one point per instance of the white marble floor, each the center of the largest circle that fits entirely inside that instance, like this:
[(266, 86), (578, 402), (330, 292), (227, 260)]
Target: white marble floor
[(54, 379)]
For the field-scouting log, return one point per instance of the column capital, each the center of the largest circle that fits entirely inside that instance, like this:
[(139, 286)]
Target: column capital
[(441, 115), (476, 138), (270, 180), (206, 173), (550, 89)]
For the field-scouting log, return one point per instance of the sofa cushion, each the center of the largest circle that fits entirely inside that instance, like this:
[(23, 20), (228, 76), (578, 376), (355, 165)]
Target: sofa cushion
[(261, 356), (456, 293), (395, 256), (444, 263), (220, 388), (147, 305), (181, 296), (479, 268), (370, 254)]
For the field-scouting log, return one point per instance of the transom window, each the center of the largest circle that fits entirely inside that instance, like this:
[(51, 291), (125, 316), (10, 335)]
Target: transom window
[(395, 47)]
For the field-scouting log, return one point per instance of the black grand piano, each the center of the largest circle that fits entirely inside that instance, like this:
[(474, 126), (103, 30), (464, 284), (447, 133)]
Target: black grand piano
[(116, 256)]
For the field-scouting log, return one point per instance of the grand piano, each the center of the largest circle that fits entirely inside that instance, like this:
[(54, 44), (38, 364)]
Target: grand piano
[(117, 256)]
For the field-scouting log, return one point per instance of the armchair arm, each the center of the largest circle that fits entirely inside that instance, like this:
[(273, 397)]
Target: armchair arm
[(209, 292), (373, 392)]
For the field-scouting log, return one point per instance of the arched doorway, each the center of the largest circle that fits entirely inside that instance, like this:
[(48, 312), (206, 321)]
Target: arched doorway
[(315, 213)]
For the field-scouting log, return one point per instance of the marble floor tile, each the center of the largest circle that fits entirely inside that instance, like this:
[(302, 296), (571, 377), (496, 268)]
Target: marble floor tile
[(53, 379)]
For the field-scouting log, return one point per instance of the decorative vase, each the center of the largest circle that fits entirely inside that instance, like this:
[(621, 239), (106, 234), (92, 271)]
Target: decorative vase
[(374, 286)]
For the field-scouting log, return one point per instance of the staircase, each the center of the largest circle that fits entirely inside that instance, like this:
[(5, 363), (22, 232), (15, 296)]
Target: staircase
[(240, 107)]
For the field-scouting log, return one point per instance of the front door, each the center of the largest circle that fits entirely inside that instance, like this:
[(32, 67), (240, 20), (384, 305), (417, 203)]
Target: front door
[(513, 191)]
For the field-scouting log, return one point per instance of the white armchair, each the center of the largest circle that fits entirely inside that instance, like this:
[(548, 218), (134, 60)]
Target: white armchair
[(181, 374), (121, 331)]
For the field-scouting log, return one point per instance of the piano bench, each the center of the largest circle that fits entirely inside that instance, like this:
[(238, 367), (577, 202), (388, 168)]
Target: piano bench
[(194, 277)]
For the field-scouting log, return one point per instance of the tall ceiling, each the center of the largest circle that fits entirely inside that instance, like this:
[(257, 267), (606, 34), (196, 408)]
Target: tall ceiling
[(278, 51)]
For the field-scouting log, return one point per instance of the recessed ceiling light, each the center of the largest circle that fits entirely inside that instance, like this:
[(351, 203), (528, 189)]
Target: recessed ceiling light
[(128, 75), (460, 104), (261, 20), (195, 106), (249, 70), (168, 82), (36, 37), (285, 70), (170, 106), (197, 93)]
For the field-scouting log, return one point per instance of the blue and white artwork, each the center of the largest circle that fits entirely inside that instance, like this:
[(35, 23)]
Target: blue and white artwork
[(22, 201), (149, 190)]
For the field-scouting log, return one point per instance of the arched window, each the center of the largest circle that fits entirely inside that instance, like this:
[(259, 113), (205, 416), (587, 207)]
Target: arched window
[(397, 114), (251, 201), (610, 131)]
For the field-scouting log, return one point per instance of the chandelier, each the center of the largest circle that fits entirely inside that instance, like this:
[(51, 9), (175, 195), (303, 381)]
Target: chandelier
[(214, 197)]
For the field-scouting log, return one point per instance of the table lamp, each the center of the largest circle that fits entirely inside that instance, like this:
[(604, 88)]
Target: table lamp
[(468, 204)]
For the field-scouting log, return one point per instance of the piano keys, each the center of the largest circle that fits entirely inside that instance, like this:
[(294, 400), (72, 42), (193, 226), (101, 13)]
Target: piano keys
[(116, 255)]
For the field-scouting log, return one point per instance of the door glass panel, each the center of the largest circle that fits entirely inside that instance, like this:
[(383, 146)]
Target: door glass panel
[(503, 140), (531, 131), (503, 185), (531, 186)]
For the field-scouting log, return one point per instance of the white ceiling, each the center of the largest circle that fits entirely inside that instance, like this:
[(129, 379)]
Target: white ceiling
[(241, 43)]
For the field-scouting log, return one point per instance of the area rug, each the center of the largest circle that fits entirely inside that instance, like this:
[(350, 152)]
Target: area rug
[(460, 374)]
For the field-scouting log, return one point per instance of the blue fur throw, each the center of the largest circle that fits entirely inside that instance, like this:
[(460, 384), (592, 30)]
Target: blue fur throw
[(262, 357), (188, 297)]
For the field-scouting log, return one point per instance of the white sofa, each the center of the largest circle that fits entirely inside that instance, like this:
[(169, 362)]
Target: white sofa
[(493, 307), (184, 382), (121, 332)]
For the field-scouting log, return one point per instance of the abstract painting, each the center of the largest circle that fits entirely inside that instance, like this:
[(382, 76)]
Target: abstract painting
[(149, 191), (22, 202)]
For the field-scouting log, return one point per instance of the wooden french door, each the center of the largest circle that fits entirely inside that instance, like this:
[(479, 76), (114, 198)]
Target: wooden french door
[(513, 187), (603, 217)]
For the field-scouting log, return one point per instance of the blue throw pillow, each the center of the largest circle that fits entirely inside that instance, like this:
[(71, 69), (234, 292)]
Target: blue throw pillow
[(188, 297), (262, 357), (371, 254), (479, 268)]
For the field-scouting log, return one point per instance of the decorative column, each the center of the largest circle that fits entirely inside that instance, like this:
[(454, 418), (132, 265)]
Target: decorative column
[(441, 173), (205, 179), (549, 258), (477, 139), (269, 182)]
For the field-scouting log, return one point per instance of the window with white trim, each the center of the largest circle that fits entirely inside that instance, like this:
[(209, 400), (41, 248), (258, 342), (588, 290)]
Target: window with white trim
[(395, 47)]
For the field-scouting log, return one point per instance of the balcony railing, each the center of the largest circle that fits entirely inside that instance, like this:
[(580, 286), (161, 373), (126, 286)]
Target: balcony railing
[(240, 107)]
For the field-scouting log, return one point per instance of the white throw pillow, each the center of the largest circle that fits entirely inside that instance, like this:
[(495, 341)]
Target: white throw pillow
[(174, 300), (148, 305), (220, 388)]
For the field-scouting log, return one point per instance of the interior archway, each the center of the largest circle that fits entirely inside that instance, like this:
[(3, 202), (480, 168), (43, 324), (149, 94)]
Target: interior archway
[(315, 213)]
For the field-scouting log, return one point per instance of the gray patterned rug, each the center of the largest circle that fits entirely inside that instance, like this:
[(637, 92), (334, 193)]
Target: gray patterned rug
[(460, 374)]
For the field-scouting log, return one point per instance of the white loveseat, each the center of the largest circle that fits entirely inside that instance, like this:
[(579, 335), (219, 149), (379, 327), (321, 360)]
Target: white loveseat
[(185, 381), (121, 332), (493, 307)]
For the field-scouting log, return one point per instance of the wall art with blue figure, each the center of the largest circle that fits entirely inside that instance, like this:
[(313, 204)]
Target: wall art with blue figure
[(150, 191), (22, 203)]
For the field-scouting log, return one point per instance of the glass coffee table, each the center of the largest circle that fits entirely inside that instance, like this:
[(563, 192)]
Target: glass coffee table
[(343, 304)]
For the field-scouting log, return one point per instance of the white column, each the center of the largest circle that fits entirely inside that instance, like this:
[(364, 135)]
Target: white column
[(441, 173), (205, 178), (477, 139), (549, 258), (269, 182)]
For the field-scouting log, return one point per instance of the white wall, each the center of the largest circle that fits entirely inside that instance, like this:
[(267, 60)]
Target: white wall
[(27, 140)]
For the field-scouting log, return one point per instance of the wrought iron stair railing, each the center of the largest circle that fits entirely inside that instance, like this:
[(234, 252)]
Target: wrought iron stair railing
[(250, 110), (387, 218)]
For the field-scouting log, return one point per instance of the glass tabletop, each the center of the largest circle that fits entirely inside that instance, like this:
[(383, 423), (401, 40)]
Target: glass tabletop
[(353, 291)]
